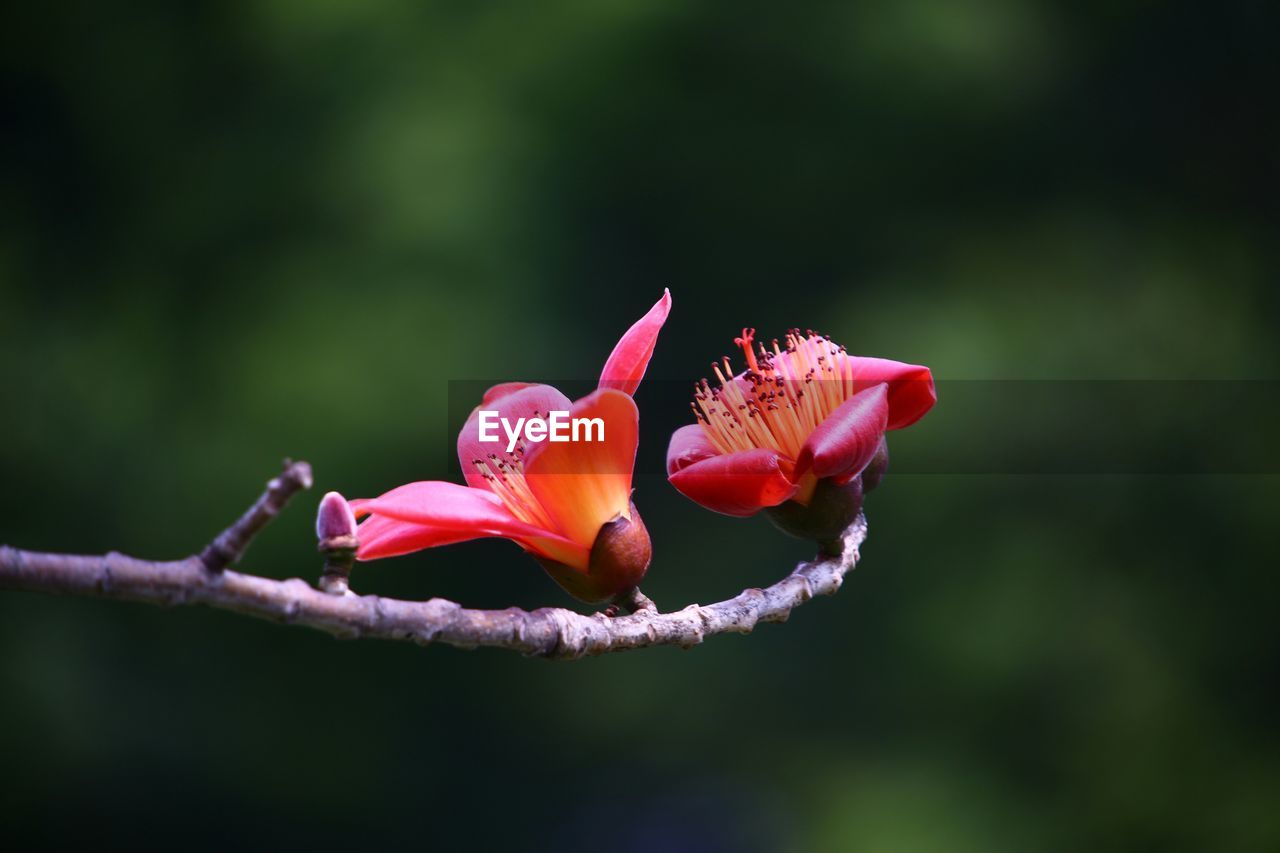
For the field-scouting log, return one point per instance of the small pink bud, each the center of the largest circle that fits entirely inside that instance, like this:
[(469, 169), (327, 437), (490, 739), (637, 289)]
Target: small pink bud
[(335, 521)]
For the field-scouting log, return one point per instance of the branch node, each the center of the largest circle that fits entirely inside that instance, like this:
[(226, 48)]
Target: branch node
[(229, 545), (630, 602), (335, 577), (104, 581)]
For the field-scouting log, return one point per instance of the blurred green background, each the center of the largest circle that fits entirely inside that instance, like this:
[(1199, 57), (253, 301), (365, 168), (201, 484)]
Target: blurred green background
[(231, 232)]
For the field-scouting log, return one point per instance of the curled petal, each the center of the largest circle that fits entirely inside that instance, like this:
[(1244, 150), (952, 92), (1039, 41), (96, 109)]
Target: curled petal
[(586, 483), (737, 483), (626, 364), (689, 444), (845, 441), (511, 400), (911, 390)]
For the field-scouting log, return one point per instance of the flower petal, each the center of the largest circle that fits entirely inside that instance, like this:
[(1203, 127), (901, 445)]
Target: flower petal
[(626, 364), (511, 400), (738, 483), (911, 391), (502, 389), (440, 504), (381, 536), (845, 441), (584, 484), (442, 513), (689, 444)]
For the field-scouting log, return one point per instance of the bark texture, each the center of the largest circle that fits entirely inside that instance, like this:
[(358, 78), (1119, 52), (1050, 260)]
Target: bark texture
[(547, 632)]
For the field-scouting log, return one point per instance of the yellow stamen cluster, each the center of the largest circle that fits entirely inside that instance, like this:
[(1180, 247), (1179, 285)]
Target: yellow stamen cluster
[(505, 474), (780, 399)]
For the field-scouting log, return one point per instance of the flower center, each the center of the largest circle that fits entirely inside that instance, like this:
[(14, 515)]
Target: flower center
[(780, 399), (505, 475)]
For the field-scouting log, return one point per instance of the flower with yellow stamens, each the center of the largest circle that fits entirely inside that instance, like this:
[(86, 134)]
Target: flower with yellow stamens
[(568, 503), (803, 419)]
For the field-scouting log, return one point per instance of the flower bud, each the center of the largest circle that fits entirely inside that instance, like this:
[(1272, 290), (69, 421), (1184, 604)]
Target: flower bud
[(335, 523), (336, 530), (618, 562), (830, 511)]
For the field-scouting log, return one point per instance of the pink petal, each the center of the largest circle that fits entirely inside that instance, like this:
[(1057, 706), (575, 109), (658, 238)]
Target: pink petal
[(444, 513), (441, 504), (845, 441), (502, 389), (584, 484), (738, 483), (626, 364), (911, 391), (689, 444), (381, 537), (511, 400)]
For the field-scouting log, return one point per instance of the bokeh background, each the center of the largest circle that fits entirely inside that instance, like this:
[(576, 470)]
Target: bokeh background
[(236, 231)]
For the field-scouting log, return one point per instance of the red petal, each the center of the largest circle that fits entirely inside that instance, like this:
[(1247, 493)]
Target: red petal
[(584, 484), (845, 441), (689, 444), (444, 513), (511, 400), (381, 537), (626, 365), (440, 504), (911, 391), (736, 483)]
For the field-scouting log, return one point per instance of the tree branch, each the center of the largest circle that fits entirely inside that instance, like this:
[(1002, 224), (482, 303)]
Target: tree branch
[(229, 545), (548, 632)]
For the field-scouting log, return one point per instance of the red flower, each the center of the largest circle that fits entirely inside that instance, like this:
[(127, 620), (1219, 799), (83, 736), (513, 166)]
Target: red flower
[(568, 503), (795, 418)]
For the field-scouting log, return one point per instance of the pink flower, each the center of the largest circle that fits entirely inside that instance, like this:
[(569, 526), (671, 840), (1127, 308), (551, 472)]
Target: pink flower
[(566, 503), (797, 417)]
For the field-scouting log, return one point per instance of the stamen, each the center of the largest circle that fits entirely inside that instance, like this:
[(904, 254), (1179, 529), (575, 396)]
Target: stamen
[(780, 398), (744, 343), (506, 480)]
